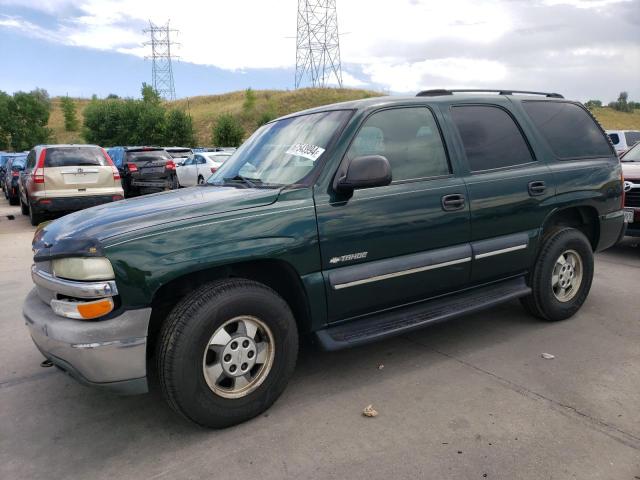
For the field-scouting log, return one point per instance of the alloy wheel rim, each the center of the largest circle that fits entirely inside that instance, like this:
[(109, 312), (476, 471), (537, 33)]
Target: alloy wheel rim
[(238, 357), (566, 277)]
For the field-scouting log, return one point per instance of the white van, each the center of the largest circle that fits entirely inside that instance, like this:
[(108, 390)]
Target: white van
[(623, 140)]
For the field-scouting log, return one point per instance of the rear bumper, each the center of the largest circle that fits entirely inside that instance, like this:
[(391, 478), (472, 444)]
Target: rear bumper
[(109, 354), (611, 229), (71, 204)]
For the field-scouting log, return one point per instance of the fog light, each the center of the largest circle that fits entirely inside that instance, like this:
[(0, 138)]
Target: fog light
[(82, 310)]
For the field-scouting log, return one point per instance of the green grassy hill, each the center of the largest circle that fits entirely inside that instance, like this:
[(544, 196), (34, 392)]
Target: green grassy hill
[(206, 109)]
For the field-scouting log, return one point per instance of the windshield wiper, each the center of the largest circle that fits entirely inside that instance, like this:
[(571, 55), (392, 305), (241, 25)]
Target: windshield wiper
[(250, 182)]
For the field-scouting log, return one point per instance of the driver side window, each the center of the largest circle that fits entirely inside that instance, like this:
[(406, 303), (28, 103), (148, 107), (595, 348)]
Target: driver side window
[(409, 138)]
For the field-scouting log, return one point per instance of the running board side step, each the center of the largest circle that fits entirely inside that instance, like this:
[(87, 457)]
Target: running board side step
[(387, 324)]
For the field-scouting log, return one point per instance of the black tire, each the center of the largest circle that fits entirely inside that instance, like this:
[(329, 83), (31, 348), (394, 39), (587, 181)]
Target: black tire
[(200, 180), (34, 217), (542, 302), (24, 209), (13, 200), (184, 337)]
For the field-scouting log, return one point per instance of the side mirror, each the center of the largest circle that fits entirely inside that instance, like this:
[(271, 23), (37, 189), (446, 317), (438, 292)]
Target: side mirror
[(365, 172)]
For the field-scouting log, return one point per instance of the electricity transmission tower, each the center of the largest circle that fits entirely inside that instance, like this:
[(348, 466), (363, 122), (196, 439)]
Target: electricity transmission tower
[(317, 43), (162, 71)]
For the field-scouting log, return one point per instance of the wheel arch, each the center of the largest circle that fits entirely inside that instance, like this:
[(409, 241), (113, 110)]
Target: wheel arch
[(582, 217), (279, 275)]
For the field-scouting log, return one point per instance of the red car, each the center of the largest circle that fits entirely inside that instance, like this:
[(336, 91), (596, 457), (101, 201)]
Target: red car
[(631, 170)]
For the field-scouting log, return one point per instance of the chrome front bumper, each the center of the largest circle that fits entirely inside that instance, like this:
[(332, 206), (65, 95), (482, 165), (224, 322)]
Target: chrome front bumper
[(105, 353)]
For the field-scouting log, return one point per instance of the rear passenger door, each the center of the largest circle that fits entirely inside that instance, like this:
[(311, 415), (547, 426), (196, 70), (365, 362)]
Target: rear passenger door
[(389, 246), (507, 187)]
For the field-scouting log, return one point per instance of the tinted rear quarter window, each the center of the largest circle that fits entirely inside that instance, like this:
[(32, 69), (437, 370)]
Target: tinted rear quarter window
[(490, 137), (615, 139), (74, 157), (568, 128)]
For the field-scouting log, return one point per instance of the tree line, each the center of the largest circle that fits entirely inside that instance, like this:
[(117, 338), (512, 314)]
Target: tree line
[(23, 119), (147, 121), (623, 104), (117, 121)]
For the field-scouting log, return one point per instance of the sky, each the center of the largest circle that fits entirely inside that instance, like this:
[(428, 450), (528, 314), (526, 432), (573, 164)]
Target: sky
[(584, 49)]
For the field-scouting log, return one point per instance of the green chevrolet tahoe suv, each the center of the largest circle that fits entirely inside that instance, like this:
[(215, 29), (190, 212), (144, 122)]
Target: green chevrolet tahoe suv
[(351, 222)]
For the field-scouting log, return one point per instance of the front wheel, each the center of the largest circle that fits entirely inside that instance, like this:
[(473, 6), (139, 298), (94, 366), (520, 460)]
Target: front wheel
[(226, 352), (562, 276)]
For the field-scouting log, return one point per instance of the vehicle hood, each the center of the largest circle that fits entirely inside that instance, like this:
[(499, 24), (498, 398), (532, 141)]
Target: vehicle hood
[(631, 170), (83, 232)]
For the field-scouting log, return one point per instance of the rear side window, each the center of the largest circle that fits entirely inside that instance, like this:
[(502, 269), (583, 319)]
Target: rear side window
[(74, 157), (615, 139), (409, 138), (568, 128), (632, 138), (490, 137)]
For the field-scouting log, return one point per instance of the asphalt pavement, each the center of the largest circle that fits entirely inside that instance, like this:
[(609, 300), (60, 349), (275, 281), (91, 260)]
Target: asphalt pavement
[(471, 398)]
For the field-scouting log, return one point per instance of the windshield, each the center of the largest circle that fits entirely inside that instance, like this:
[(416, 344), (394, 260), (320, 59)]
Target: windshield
[(282, 152), (632, 155), (179, 153), (19, 163)]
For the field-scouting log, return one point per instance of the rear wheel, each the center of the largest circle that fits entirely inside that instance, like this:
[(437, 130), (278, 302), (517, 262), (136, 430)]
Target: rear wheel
[(13, 200), (200, 180), (226, 352), (24, 208), (562, 276), (34, 217)]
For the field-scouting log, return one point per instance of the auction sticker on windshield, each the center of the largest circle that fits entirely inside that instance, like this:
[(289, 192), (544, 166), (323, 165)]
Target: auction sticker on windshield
[(306, 150)]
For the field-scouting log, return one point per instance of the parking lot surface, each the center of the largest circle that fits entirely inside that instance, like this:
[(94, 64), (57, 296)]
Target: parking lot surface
[(471, 398)]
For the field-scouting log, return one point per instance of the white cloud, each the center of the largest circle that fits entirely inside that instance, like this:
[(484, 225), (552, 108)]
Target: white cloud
[(398, 45), (585, 3), (450, 72)]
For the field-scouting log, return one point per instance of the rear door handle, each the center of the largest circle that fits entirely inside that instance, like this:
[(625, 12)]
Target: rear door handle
[(453, 202), (537, 188)]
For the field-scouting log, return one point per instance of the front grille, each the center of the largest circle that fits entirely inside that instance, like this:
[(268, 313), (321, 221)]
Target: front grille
[(632, 198)]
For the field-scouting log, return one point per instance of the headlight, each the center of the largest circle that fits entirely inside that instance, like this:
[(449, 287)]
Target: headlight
[(83, 268)]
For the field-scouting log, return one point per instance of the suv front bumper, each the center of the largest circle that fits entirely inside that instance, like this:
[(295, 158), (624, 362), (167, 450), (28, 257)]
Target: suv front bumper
[(109, 354)]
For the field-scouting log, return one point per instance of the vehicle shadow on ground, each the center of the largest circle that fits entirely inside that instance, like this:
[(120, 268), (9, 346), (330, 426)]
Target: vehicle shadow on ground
[(318, 374)]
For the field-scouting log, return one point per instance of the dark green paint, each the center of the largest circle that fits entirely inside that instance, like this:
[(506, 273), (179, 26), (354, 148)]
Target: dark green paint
[(156, 239)]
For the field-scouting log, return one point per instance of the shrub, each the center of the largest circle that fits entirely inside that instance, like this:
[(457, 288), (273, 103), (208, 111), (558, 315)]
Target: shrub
[(178, 129), (227, 131), (622, 104), (69, 112), (593, 104)]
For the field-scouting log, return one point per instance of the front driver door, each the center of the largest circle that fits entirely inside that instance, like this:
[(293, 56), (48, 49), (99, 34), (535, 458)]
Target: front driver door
[(389, 246)]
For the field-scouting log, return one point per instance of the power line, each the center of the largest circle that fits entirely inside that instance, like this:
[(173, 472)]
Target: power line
[(162, 70), (317, 43)]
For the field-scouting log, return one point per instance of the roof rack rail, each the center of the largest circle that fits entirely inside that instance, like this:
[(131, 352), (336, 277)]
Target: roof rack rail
[(441, 91)]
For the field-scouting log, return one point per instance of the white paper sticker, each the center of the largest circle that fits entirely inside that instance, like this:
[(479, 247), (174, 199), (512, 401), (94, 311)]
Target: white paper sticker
[(306, 150)]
